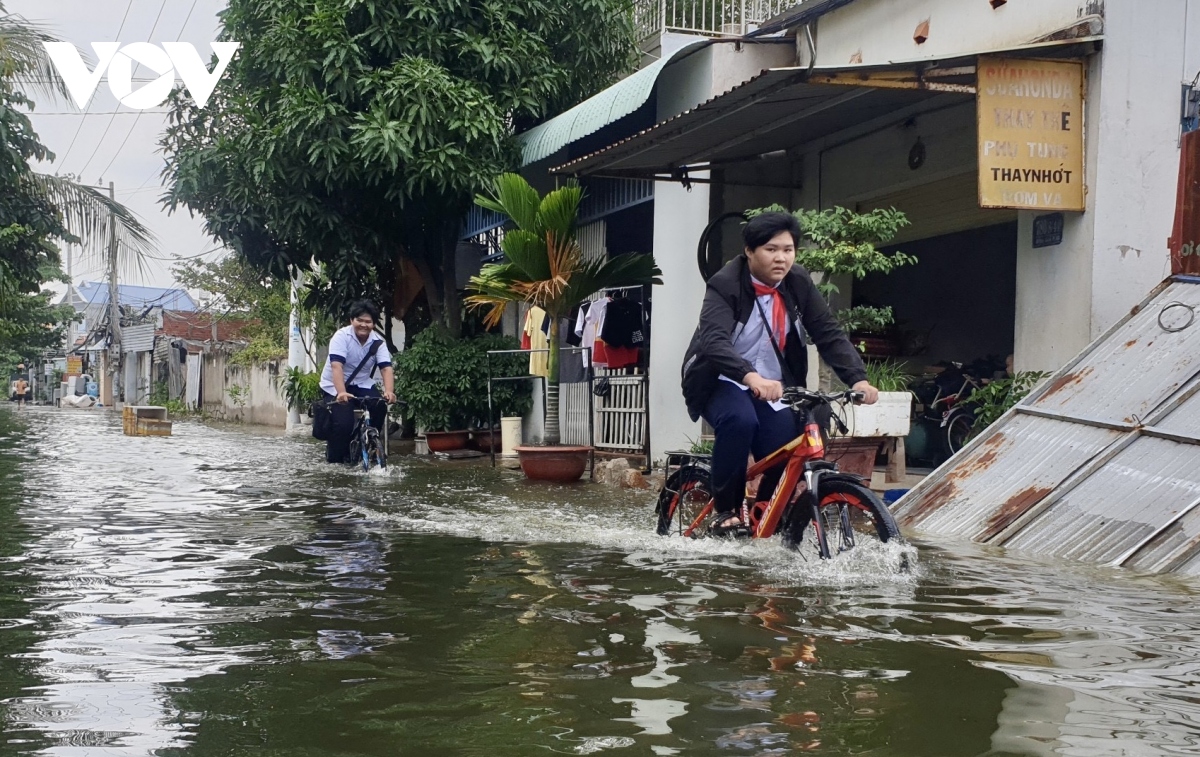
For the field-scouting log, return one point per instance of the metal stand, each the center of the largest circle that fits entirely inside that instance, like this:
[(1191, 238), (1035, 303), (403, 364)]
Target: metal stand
[(591, 381)]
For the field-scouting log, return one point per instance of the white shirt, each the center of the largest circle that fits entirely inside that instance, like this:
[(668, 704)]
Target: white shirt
[(753, 342), (345, 348)]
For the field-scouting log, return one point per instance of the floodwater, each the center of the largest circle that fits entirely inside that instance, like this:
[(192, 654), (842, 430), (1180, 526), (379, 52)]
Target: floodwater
[(221, 592)]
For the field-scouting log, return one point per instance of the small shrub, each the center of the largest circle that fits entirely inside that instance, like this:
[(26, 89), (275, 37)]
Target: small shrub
[(997, 397), (443, 381), (887, 375)]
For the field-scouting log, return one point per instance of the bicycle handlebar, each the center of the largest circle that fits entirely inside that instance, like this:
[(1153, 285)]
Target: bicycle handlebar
[(798, 395), (354, 401)]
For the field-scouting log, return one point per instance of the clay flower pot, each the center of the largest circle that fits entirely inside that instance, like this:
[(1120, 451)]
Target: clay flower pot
[(560, 464), (481, 441), (446, 441)]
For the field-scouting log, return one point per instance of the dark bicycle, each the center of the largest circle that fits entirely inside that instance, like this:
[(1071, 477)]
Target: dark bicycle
[(368, 448)]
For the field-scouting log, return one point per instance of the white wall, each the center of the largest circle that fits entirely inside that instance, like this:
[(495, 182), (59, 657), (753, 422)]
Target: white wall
[(1137, 152), (882, 30), (1054, 284), (679, 217), (264, 404)]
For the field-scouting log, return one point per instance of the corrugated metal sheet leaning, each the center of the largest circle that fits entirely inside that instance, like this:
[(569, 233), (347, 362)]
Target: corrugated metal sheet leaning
[(1100, 464)]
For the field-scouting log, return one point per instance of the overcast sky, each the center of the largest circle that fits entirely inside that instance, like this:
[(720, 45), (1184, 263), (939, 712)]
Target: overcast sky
[(98, 146)]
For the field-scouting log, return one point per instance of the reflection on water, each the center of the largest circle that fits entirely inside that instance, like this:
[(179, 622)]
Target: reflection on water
[(221, 592)]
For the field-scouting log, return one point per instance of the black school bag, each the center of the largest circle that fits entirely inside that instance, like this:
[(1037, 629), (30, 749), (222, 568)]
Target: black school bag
[(322, 416)]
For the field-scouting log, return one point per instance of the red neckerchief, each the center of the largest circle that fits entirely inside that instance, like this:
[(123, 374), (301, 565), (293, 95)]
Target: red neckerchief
[(778, 311)]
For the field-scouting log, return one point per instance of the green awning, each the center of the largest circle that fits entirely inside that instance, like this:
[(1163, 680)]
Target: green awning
[(598, 111)]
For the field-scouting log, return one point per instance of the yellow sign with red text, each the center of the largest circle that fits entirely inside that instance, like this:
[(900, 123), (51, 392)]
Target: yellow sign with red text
[(1030, 133)]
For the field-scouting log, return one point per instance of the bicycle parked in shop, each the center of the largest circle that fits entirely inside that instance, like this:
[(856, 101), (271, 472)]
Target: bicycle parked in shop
[(812, 494)]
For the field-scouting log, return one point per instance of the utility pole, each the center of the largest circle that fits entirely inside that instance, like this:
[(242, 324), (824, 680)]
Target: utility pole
[(114, 306), (296, 352)]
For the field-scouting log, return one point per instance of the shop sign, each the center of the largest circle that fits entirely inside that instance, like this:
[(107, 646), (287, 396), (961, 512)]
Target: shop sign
[(74, 365), (1030, 133), (1047, 230)]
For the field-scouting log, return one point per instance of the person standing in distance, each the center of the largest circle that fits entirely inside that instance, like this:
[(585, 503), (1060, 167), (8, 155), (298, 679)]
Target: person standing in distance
[(758, 306)]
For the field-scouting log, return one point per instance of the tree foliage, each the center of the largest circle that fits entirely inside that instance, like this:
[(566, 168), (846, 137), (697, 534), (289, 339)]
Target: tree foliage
[(354, 132), (38, 212)]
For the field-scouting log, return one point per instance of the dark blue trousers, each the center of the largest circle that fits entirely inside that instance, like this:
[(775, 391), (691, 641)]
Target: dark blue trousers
[(744, 425), (341, 422)]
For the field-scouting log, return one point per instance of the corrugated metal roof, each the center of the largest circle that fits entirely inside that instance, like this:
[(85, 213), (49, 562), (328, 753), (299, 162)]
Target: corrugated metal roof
[(1119, 506), (96, 293), (779, 109), (1101, 464), (597, 111), (137, 338), (1125, 377), (786, 112), (996, 482)]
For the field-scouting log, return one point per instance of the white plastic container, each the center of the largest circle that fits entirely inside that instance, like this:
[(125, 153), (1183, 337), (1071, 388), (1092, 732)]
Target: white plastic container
[(510, 435)]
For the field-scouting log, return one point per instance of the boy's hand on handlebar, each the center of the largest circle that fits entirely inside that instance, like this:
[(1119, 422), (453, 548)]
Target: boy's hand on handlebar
[(344, 397), (870, 395), (764, 389), (390, 397)]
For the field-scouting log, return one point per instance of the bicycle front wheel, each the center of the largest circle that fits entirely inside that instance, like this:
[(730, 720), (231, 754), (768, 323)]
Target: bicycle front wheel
[(684, 496), (849, 515), (959, 431), (375, 452)]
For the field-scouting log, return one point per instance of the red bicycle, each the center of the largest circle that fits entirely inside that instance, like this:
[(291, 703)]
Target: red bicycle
[(812, 493)]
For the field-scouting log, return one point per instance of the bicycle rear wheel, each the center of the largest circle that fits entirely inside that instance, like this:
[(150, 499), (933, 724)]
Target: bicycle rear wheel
[(849, 515), (685, 495)]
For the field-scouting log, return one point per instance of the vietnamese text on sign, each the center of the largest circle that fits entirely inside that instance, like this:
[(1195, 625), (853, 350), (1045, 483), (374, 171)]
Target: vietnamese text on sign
[(1030, 134)]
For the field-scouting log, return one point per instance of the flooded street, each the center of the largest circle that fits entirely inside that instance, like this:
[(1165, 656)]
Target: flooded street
[(221, 592)]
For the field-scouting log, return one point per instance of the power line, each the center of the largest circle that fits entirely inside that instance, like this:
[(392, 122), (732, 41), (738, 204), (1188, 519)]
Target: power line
[(133, 126), (67, 154), (112, 118)]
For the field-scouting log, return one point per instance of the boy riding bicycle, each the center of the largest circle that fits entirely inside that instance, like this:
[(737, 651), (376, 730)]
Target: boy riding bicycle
[(749, 342), (355, 351)]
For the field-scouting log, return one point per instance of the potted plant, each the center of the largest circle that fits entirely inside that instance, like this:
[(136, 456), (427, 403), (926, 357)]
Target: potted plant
[(891, 416), (544, 266), (433, 378)]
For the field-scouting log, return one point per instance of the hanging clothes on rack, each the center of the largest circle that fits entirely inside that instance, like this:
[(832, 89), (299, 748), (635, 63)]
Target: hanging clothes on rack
[(588, 325), (570, 371), (536, 336), (622, 332)]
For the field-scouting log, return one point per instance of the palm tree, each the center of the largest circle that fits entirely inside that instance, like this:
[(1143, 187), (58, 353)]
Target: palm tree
[(545, 267), (87, 214)]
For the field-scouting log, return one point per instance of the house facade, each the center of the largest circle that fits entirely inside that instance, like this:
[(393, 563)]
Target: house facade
[(1033, 145)]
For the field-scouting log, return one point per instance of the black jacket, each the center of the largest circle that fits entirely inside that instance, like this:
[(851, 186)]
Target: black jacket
[(728, 303)]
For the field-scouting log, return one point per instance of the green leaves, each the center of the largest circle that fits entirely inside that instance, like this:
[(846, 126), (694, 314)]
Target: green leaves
[(357, 131), (995, 398), (443, 381), (513, 196)]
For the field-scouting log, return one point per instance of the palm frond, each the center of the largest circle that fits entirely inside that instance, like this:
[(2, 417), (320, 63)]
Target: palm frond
[(630, 269), (91, 216), (515, 198), (23, 59), (527, 251), (559, 210)]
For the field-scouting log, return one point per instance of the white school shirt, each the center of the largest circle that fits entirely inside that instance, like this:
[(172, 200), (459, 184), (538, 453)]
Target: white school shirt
[(753, 342), (345, 348)]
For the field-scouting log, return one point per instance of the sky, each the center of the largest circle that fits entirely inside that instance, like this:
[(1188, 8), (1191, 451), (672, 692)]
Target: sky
[(110, 142)]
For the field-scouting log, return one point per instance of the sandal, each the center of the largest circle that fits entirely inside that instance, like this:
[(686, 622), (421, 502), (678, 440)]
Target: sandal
[(727, 524)]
